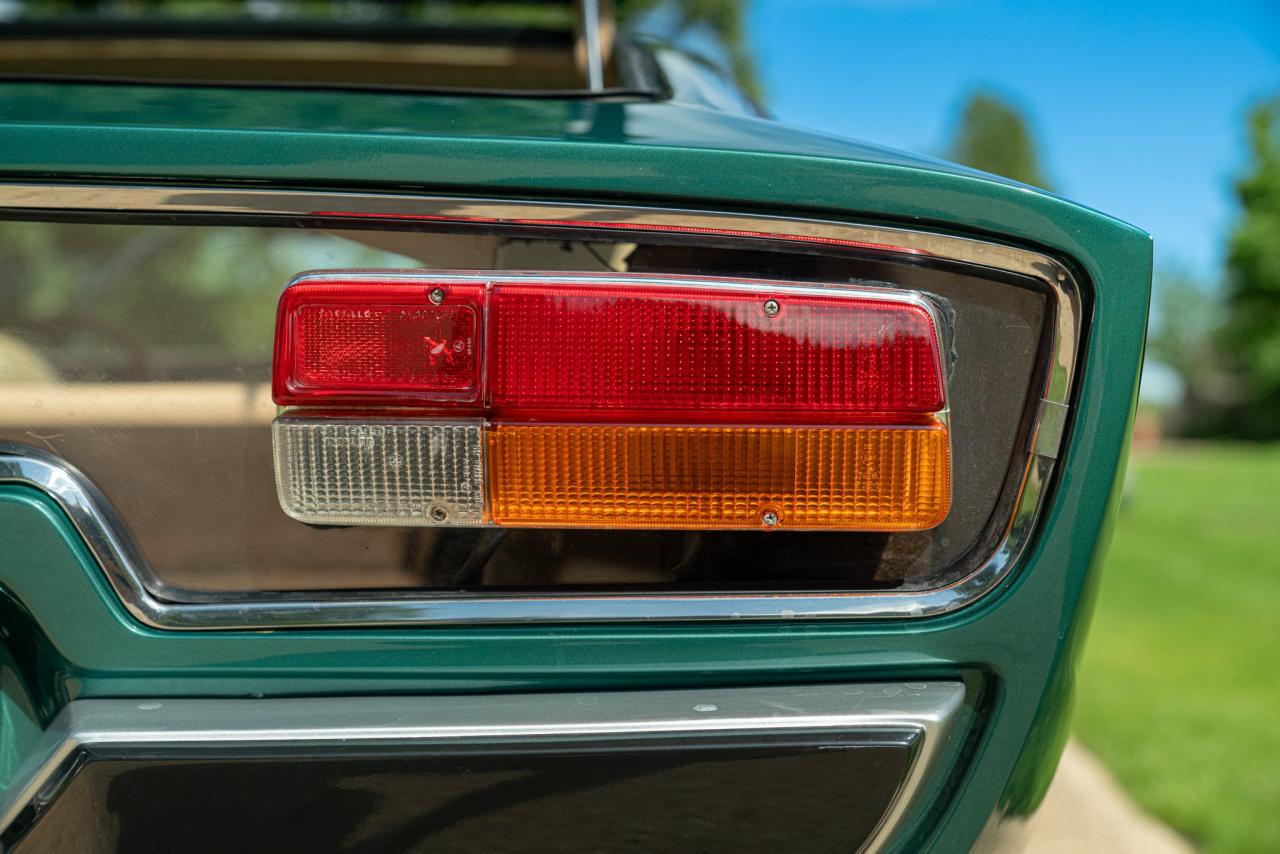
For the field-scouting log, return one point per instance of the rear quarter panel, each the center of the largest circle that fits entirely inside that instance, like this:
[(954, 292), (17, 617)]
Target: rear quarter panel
[(1015, 648)]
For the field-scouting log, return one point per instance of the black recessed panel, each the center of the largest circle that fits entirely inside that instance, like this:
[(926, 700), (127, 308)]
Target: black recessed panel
[(828, 794)]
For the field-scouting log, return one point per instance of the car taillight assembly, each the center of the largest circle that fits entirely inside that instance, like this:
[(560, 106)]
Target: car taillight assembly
[(570, 401)]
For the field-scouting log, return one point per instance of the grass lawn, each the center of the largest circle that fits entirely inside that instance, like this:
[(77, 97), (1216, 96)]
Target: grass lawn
[(1179, 689)]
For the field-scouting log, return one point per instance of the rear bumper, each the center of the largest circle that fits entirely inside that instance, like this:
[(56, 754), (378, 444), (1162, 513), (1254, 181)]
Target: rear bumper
[(715, 769)]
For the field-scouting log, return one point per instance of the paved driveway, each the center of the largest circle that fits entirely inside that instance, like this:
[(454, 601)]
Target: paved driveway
[(1087, 811)]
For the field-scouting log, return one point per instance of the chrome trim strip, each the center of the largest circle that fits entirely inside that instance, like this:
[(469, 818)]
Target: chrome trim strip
[(924, 710), (1051, 424), (523, 214), (589, 19), (142, 593)]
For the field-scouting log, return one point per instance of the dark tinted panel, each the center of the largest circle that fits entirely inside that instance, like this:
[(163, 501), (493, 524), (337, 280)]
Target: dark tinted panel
[(811, 796), (471, 45)]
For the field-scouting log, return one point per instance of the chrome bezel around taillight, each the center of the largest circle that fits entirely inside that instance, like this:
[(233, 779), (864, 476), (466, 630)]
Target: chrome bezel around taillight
[(137, 586)]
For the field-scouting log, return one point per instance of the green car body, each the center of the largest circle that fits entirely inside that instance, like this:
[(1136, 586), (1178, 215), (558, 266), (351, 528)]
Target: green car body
[(67, 636)]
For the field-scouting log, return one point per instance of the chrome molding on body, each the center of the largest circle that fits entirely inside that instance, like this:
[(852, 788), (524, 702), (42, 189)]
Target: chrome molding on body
[(879, 713), (144, 596)]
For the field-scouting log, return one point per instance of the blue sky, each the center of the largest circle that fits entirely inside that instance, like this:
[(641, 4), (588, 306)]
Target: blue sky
[(1138, 108)]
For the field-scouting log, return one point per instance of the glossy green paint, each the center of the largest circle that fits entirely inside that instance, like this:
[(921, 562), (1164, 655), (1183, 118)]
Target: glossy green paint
[(1016, 648), (660, 152), (20, 723)]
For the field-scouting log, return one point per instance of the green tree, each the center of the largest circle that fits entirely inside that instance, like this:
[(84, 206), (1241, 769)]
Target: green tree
[(1186, 323), (993, 136), (1251, 335)]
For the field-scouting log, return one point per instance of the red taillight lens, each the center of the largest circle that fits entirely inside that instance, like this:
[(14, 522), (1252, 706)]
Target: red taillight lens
[(713, 352), (346, 343)]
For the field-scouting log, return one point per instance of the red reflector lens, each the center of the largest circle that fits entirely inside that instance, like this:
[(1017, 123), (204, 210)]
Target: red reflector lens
[(575, 347), (340, 343), (387, 347)]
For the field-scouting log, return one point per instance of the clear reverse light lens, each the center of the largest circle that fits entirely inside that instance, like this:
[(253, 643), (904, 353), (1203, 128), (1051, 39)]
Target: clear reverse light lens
[(380, 472)]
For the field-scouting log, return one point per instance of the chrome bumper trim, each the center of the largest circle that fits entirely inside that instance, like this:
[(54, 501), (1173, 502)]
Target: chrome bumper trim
[(923, 712)]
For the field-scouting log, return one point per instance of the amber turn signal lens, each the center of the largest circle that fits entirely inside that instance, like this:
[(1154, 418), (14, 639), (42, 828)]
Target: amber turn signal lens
[(850, 478)]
